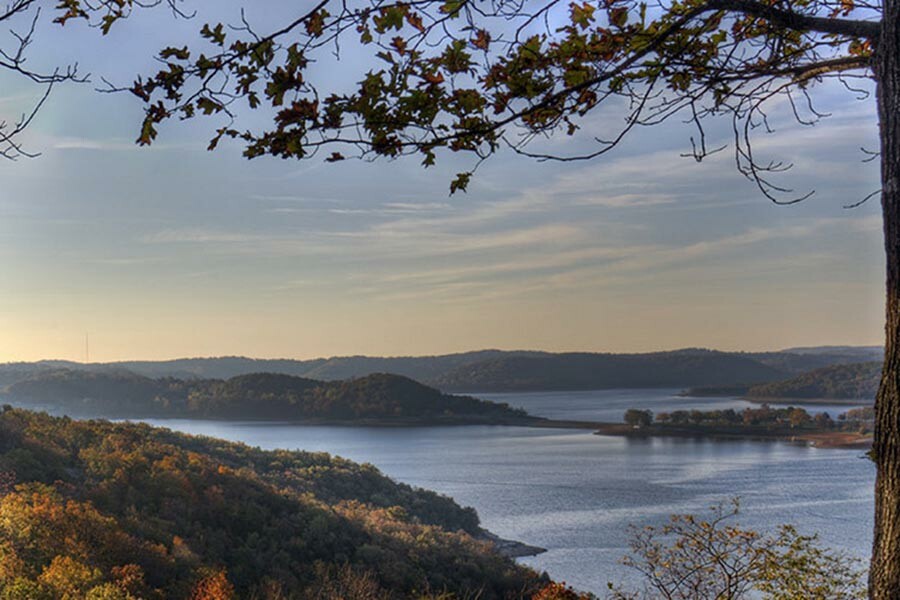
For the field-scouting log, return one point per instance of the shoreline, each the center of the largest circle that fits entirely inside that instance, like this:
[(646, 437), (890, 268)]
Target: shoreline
[(509, 548), (739, 392), (849, 402), (816, 438)]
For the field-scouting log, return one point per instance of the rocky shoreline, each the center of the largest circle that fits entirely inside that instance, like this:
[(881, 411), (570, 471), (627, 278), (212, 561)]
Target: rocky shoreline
[(510, 548)]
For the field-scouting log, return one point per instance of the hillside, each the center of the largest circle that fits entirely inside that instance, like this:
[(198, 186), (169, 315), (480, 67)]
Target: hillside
[(501, 370), (857, 381), (420, 368), (795, 361), (598, 371), (124, 511), (260, 396)]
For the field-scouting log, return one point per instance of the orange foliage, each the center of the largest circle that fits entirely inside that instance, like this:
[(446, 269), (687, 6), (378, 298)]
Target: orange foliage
[(68, 578), (559, 591), (213, 587)]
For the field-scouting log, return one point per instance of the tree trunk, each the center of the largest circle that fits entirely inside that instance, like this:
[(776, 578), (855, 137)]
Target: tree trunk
[(884, 573)]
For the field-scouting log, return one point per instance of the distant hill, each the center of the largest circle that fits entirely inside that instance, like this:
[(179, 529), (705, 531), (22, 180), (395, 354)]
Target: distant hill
[(800, 360), (860, 351), (377, 397), (857, 381), (501, 370), (420, 368), (599, 371), (99, 510)]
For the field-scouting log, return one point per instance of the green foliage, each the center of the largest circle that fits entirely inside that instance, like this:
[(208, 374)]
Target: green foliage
[(122, 511)]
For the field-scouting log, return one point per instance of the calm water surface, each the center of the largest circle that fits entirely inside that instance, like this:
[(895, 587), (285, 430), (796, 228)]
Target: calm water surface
[(575, 493)]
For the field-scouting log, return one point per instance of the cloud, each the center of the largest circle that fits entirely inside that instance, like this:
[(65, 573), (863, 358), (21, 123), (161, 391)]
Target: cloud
[(534, 274), (416, 207), (107, 145), (125, 261), (200, 235)]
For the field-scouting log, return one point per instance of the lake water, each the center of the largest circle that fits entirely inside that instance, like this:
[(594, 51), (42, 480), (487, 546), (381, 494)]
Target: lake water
[(576, 493)]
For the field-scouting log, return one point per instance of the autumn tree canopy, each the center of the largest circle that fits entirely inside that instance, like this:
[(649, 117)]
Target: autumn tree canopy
[(474, 76)]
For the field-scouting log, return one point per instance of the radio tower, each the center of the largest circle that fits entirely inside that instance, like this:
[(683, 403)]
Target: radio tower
[(87, 349)]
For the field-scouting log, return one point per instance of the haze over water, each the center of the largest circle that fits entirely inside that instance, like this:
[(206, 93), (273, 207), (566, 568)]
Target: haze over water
[(575, 493)]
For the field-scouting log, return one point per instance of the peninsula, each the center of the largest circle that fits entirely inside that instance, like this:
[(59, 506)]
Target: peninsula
[(379, 399)]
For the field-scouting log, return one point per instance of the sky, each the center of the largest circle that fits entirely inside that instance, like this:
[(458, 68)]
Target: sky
[(174, 251)]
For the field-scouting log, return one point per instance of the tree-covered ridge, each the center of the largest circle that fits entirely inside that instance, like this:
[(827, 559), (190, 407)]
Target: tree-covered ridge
[(99, 510), (853, 381), (584, 371), (467, 370), (255, 396)]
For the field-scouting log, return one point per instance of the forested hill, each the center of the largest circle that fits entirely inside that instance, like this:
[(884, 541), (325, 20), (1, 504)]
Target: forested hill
[(598, 371), (851, 382), (420, 368), (501, 370), (124, 511), (266, 396)]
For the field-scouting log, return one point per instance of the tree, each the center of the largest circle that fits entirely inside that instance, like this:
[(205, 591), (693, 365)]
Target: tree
[(469, 76), (798, 417), (560, 591), (215, 586), (697, 558), (638, 418)]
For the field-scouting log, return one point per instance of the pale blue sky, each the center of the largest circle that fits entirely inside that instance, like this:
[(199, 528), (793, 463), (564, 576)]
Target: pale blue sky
[(174, 251)]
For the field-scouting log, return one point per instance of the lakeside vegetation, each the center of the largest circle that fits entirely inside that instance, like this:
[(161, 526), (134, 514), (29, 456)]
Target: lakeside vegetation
[(850, 428), (379, 398), (98, 510)]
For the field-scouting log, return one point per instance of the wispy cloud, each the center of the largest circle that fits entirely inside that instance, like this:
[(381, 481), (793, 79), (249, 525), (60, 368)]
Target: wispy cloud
[(199, 235), (108, 145), (125, 261), (414, 207)]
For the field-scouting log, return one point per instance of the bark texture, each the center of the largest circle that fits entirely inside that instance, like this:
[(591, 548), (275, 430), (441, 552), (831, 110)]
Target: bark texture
[(884, 573)]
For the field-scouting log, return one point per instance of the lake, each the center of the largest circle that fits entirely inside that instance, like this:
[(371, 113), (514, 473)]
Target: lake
[(576, 493)]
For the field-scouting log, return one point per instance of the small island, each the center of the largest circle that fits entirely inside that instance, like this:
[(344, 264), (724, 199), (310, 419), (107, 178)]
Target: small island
[(851, 429)]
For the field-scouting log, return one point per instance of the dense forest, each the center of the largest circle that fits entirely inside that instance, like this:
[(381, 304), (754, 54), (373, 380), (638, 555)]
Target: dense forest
[(97, 510), (853, 382), (497, 370), (265, 396)]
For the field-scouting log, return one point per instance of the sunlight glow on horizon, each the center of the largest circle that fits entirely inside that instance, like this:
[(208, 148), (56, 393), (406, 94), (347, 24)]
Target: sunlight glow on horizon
[(175, 252)]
